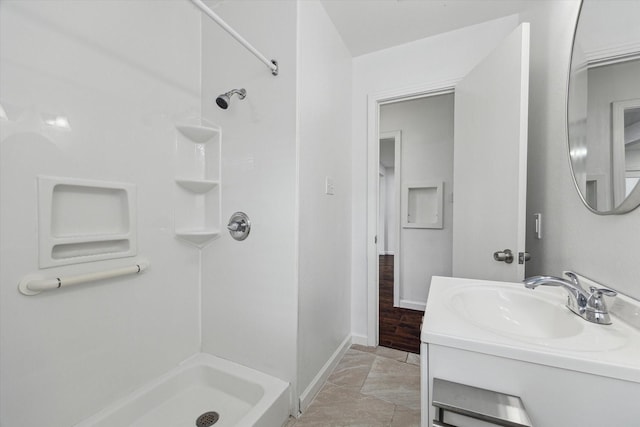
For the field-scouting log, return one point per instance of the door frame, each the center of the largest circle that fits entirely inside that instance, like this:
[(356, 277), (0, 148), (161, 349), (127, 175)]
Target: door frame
[(382, 197), (374, 101), (396, 135)]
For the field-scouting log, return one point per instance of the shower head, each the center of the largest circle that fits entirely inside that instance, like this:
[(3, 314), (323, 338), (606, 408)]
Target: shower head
[(224, 99)]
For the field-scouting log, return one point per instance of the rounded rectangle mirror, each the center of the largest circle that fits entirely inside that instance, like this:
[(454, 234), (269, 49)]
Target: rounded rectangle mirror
[(603, 107)]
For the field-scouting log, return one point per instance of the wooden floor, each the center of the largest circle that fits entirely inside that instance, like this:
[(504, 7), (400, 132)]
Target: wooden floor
[(399, 327)]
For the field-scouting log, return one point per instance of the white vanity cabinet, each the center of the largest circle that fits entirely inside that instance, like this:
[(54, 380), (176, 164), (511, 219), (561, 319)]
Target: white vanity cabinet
[(560, 382)]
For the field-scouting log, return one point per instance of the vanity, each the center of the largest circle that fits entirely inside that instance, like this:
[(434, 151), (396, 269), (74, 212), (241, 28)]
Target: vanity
[(567, 355), (503, 337)]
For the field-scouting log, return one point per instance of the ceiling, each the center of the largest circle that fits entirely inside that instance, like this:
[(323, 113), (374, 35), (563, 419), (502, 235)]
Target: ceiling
[(370, 25)]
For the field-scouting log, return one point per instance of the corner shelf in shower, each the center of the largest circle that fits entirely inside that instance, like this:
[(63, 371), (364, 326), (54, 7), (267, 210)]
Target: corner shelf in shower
[(198, 193), (198, 134), (198, 237), (197, 185)]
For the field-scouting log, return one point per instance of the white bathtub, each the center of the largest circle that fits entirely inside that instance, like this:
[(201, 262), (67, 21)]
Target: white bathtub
[(200, 384)]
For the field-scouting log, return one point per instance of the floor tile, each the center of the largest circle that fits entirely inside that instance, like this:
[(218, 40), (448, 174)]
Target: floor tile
[(292, 422), (339, 406), (394, 382), (413, 359), (364, 348), (403, 417), (353, 369), (391, 353)]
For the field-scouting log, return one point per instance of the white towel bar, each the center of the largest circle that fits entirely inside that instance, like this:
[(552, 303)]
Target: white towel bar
[(31, 285)]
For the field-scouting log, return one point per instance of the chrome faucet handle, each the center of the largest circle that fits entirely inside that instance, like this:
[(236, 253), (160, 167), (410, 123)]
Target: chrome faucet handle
[(574, 278), (597, 305), (602, 291)]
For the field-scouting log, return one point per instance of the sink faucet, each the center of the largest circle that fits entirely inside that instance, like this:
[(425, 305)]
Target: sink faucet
[(588, 305)]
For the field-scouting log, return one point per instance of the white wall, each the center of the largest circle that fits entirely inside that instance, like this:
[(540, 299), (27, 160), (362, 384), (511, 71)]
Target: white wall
[(249, 288), (431, 60), (390, 211), (427, 157), (608, 26), (382, 209), (122, 79), (387, 198), (604, 248), (324, 129)]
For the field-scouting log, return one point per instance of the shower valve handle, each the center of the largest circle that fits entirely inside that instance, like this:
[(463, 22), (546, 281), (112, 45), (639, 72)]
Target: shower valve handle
[(239, 226), (234, 226)]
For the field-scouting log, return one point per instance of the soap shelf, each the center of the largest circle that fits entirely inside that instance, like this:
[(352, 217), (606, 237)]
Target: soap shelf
[(198, 134), (82, 220), (198, 211), (197, 185), (198, 237)]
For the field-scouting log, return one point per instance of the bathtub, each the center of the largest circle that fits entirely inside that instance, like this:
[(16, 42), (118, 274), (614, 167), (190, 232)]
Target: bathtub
[(198, 387)]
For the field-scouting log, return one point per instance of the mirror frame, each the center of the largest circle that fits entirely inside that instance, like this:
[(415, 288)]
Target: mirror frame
[(633, 199)]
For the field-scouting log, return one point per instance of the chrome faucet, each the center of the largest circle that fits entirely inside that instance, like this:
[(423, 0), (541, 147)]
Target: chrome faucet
[(588, 305)]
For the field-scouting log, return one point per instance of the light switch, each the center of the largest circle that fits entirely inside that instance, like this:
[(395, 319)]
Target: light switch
[(329, 187)]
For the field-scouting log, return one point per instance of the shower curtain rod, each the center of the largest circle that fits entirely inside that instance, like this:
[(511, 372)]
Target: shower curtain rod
[(272, 64)]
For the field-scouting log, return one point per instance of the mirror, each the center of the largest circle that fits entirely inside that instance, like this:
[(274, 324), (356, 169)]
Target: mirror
[(603, 109)]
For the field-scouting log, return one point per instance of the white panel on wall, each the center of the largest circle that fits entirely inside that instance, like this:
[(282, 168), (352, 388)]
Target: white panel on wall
[(121, 80), (251, 285)]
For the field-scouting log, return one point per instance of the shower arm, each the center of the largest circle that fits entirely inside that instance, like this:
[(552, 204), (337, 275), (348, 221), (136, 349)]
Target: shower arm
[(272, 64)]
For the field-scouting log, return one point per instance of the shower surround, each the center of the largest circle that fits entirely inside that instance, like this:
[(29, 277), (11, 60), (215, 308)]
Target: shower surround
[(93, 90)]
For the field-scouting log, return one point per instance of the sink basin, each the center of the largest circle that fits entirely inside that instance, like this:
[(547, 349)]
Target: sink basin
[(502, 336), (537, 316), (521, 313)]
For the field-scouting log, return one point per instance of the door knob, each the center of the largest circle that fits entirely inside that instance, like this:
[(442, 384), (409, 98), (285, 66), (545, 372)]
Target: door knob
[(504, 256), (523, 257)]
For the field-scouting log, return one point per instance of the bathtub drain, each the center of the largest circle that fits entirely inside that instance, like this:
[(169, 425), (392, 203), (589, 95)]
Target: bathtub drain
[(207, 419)]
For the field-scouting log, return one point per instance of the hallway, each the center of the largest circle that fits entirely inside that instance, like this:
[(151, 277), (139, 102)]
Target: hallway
[(399, 327)]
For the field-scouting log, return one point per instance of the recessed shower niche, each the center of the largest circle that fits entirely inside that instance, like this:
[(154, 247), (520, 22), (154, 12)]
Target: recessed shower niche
[(197, 213), (84, 220)]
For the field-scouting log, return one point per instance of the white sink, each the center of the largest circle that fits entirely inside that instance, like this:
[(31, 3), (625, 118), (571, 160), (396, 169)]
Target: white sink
[(519, 313), (524, 342), (506, 313)]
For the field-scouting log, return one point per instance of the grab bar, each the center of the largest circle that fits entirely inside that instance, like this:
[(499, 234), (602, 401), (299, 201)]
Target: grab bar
[(31, 285)]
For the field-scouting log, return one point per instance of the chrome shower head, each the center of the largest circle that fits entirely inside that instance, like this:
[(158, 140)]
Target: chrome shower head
[(224, 99)]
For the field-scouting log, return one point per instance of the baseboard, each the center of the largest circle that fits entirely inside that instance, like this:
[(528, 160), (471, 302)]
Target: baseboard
[(412, 305), (359, 339), (310, 392)]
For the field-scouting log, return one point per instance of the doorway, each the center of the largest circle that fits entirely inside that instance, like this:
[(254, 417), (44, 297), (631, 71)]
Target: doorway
[(495, 137), (415, 149)]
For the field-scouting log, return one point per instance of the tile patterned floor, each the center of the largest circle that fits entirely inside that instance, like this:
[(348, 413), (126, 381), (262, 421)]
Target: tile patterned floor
[(370, 386)]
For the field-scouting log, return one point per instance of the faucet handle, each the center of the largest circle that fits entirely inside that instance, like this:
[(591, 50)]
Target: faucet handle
[(602, 291), (574, 278)]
